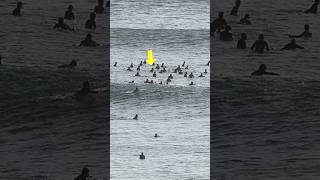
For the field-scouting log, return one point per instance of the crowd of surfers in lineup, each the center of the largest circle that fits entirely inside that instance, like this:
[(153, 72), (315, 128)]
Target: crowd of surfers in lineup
[(87, 42), (221, 27)]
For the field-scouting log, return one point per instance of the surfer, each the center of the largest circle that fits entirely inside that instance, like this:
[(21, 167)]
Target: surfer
[(305, 33), (191, 75), (242, 41), (136, 90), (262, 71), (226, 35), (260, 44), (115, 64), (218, 24), (151, 70), (137, 74), (91, 22), (85, 89), (17, 10), (72, 64), (201, 75), (156, 135), (84, 174), (142, 156), (292, 45), (62, 25), (205, 71), (191, 84), (99, 9), (69, 14), (89, 42), (183, 63), (135, 117), (234, 11), (185, 74), (245, 20), (129, 69), (154, 74)]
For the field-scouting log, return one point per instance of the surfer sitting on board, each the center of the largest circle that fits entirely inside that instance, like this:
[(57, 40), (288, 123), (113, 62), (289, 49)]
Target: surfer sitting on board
[(62, 25), (72, 64), (89, 42), (262, 71), (84, 174), (85, 89)]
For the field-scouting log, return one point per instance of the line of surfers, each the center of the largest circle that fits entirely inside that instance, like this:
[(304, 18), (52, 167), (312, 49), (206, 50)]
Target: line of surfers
[(219, 25), (162, 69)]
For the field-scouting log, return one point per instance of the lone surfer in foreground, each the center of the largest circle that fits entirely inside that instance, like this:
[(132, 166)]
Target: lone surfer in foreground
[(262, 71), (85, 90)]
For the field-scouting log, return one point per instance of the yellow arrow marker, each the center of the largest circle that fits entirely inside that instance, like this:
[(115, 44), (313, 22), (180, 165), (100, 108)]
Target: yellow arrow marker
[(150, 59)]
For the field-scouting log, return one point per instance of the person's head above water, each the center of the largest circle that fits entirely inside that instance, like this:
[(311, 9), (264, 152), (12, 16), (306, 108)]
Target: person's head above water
[(85, 172), (220, 14), (306, 27), (262, 68), (243, 36), (73, 63), (261, 37), (19, 4), (70, 7), (88, 37)]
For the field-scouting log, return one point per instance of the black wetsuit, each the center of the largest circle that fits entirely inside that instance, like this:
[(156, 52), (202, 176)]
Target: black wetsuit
[(16, 12), (62, 26), (69, 15), (305, 34), (241, 44), (260, 73), (99, 9), (91, 24), (292, 46), (88, 42), (245, 21), (259, 45)]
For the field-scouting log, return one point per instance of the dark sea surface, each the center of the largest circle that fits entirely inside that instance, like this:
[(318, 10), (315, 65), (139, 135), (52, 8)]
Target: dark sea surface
[(266, 127), (45, 131)]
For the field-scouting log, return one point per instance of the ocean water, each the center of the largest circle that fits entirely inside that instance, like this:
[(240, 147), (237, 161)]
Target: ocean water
[(45, 131), (176, 31), (266, 127)]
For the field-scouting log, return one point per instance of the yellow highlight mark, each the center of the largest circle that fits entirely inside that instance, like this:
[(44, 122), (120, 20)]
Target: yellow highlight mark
[(150, 59)]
